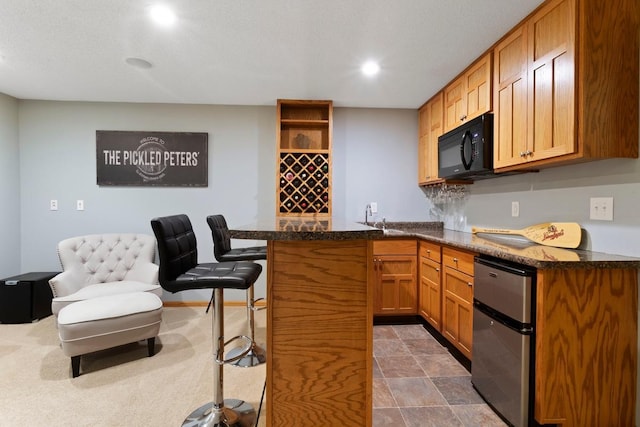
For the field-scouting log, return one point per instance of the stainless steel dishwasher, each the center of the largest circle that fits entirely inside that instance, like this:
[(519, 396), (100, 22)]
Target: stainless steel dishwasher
[(503, 331)]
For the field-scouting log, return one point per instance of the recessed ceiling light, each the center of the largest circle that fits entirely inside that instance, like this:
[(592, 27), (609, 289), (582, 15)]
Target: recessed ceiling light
[(162, 15), (138, 63), (370, 68)]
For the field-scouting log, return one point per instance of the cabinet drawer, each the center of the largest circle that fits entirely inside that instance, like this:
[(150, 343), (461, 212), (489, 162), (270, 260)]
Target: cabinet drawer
[(459, 284), (430, 251), (394, 247), (458, 260), (430, 270)]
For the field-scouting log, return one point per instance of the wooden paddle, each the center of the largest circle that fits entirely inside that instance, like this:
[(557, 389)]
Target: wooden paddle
[(557, 234)]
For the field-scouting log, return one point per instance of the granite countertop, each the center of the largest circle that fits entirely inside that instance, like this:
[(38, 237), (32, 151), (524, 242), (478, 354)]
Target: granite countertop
[(511, 248), (303, 228)]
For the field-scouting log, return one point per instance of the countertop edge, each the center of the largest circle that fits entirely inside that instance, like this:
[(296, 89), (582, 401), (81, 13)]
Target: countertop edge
[(604, 261), (307, 235)]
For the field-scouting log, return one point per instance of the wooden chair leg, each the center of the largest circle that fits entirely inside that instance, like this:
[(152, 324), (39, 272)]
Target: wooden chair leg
[(75, 366), (151, 346)]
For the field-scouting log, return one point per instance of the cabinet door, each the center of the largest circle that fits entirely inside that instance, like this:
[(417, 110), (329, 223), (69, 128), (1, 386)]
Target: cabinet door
[(436, 129), (423, 144), (396, 289), (469, 95), (551, 79), (510, 99), (477, 96), (454, 109), (457, 323), (430, 120), (429, 292)]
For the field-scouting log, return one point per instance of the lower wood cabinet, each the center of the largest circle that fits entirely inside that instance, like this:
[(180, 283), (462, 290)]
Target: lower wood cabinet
[(457, 298), (430, 286), (394, 277), (586, 325)]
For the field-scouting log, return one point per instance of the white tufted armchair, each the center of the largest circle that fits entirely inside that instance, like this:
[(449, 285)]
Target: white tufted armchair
[(104, 264)]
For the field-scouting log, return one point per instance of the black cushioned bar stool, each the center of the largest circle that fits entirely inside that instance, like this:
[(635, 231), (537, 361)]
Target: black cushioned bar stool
[(223, 252), (179, 271)]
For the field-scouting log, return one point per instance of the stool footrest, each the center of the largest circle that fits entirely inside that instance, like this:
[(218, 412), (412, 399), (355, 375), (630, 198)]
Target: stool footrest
[(243, 351), (253, 307)]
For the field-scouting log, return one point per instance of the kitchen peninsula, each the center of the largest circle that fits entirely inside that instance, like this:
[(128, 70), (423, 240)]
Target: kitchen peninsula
[(320, 317), (319, 320)]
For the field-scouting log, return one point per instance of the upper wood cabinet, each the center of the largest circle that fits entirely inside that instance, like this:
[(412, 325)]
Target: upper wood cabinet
[(469, 95), (430, 127), (566, 85)]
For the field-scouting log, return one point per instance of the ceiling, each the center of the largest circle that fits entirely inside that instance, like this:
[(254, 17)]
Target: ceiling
[(246, 52)]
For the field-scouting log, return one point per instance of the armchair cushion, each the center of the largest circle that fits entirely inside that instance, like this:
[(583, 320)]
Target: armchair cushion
[(104, 264), (103, 290)]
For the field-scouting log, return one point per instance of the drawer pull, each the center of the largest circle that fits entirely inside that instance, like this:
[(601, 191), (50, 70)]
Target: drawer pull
[(437, 269), (455, 260), (469, 284)]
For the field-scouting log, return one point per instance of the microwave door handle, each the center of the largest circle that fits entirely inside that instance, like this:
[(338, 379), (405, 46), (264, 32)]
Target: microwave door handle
[(467, 165)]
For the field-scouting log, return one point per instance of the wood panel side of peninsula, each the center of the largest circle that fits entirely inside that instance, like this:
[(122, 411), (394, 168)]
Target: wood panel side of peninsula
[(320, 333)]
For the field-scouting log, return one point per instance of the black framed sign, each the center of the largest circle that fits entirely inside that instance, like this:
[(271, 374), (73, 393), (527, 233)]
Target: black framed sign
[(136, 158)]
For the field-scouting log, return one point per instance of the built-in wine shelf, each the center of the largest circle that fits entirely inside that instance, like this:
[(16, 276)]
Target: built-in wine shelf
[(304, 183), (304, 158)]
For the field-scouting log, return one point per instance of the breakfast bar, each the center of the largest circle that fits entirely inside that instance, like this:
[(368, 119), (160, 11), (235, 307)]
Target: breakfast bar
[(319, 320)]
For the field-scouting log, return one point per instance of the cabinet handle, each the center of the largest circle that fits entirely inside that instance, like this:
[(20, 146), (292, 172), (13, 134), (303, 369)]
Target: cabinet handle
[(464, 116), (522, 154), (469, 284), (529, 152), (455, 260), (437, 269), (428, 251)]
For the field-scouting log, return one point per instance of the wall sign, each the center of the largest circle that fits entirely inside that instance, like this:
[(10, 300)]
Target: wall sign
[(169, 159)]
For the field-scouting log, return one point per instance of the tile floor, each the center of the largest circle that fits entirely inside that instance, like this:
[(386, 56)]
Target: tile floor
[(418, 383)]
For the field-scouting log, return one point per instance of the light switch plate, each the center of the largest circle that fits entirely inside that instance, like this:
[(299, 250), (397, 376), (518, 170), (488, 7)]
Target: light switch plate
[(601, 208)]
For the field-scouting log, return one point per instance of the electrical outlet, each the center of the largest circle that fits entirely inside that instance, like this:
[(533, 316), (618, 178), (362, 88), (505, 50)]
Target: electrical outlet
[(53, 205), (515, 209), (374, 207), (80, 205), (601, 208)]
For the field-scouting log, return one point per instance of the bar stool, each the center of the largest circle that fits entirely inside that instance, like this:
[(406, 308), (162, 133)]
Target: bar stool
[(179, 271), (223, 252)]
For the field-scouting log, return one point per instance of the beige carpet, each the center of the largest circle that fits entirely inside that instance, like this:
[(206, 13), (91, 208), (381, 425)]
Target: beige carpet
[(121, 386)]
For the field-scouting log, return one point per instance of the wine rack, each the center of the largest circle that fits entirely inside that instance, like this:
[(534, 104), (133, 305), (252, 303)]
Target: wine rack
[(304, 158), (304, 183)]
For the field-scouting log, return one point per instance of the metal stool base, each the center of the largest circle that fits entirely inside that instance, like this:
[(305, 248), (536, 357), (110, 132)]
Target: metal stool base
[(256, 356), (236, 413)]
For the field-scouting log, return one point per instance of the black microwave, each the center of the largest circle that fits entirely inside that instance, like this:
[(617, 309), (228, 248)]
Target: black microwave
[(466, 152)]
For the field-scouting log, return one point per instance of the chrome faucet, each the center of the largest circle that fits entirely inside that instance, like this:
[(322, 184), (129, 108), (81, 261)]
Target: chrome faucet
[(384, 223), (367, 212)]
